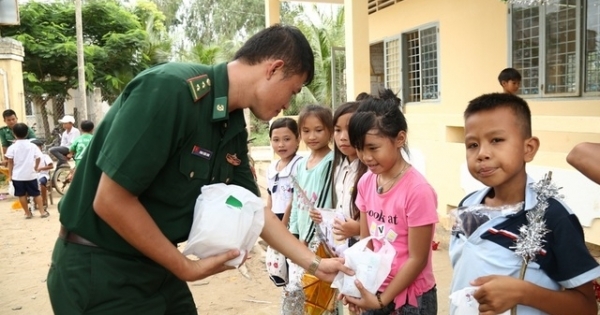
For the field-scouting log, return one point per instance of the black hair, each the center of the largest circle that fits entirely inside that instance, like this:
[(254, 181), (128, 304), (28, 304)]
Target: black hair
[(509, 74), (284, 122), (20, 130), (338, 156), (280, 42), (346, 108), (492, 101), (87, 126), (7, 113), (382, 114), (321, 112), (362, 96)]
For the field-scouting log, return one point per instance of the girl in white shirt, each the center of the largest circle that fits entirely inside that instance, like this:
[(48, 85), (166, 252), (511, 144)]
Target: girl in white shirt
[(284, 141), (347, 170)]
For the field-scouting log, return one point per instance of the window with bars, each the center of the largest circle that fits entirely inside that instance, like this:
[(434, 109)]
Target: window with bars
[(392, 64), (548, 46), (421, 64)]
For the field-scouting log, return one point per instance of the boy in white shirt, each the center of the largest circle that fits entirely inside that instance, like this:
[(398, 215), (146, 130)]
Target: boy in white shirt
[(43, 170), (23, 160), (66, 140)]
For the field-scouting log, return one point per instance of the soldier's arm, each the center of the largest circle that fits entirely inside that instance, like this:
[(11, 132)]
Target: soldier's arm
[(138, 228)]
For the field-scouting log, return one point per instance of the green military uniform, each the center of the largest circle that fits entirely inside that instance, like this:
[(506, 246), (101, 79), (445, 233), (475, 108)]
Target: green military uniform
[(7, 137), (166, 136)]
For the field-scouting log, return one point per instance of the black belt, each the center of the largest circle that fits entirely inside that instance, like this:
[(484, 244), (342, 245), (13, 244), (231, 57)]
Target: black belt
[(73, 238)]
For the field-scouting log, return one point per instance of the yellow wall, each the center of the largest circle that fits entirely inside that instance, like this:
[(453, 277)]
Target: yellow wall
[(473, 48), (11, 56)]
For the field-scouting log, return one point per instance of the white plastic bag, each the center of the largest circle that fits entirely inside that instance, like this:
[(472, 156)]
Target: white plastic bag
[(276, 267), (11, 188), (226, 217), (465, 303), (370, 268), (328, 217)]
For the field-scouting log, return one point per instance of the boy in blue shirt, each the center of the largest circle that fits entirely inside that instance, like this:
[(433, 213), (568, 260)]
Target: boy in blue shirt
[(499, 143)]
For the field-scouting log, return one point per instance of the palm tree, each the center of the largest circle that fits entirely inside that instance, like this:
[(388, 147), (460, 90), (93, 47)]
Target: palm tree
[(324, 33)]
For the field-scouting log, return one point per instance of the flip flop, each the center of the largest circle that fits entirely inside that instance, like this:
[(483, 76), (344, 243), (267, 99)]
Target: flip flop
[(27, 217), (45, 215)]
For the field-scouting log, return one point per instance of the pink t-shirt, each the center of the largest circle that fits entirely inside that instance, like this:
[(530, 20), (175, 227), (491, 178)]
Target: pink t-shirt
[(412, 202)]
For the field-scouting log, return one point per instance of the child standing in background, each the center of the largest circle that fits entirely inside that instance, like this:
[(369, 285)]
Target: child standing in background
[(395, 203), (314, 172), (284, 141), (314, 176), (510, 80), (347, 169), (43, 170), (23, 160)]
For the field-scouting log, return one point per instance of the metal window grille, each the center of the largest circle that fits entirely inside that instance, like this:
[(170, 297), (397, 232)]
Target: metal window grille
[(556, 47), (429, 64), (592, 47), (561, 48), (526, 47), (392, 64), (421, 74)]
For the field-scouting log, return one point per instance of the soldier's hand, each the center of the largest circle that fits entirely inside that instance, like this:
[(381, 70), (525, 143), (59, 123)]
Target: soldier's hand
[(203, 268)]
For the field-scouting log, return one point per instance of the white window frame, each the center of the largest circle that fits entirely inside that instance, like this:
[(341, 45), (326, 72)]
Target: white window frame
[(405, 64), (396, 85), (543, 90)]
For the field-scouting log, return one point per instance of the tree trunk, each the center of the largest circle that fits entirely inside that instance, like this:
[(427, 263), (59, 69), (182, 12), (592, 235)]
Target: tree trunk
[(40, 105)]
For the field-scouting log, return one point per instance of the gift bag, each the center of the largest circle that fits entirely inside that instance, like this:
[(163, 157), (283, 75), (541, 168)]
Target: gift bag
[(465, 303), (11, 188), (226, 217), (328, 218), (370, 268), (276, 267), (320, 296)]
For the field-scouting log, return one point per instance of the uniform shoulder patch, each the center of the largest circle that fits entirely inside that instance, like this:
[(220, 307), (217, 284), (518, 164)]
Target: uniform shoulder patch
[(199, 86)]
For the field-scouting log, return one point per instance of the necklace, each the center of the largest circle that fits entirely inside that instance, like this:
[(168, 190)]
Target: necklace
[(380, 187)]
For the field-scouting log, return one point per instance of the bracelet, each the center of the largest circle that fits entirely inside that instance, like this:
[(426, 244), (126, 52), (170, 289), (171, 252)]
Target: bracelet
[(314, 265), (378, 295)]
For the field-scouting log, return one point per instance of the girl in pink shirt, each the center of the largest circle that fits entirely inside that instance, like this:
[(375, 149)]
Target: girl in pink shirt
[(396, 203)]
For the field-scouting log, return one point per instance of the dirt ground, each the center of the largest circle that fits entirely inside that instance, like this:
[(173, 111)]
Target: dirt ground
[(26, 247)]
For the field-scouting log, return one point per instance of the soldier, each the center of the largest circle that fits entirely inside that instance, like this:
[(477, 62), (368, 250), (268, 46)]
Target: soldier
[(7, 137), (175, 128)]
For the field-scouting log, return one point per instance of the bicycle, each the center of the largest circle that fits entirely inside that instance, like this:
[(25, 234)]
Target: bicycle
[(61, 179)]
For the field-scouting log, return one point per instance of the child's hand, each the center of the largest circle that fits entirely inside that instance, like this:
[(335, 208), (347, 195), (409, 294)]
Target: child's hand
[(315, 215), (368, 301), (345, 229), (497, 294)]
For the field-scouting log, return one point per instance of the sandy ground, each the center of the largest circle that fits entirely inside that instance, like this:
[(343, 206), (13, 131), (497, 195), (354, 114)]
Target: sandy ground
[(25, 257)]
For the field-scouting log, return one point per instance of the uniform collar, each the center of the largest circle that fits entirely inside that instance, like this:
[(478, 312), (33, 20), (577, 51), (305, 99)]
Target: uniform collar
[(220, 110), (530, 195)]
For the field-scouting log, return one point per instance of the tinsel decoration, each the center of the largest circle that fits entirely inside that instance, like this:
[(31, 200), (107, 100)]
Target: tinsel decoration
[(293, 297), (530, 240), (306, 204)]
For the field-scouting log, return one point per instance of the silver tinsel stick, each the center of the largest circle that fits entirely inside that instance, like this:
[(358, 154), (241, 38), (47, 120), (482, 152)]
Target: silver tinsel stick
[(530, 240), (306, 204)]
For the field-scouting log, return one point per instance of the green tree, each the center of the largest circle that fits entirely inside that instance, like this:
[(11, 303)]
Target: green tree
[(117, 47), (324, 32)]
